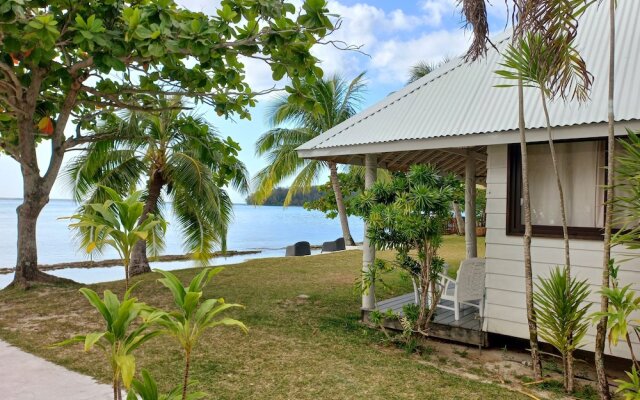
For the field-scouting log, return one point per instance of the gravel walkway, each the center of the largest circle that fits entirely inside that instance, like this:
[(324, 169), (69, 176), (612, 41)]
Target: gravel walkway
[(27, 377)]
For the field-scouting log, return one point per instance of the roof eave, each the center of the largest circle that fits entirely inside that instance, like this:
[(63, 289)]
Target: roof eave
[(469, 140)]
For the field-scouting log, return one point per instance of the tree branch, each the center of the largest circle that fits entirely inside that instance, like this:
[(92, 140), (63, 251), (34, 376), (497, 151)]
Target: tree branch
[(8, 71)]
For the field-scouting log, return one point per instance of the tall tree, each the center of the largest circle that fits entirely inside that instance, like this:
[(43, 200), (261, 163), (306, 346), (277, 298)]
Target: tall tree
[(65, 62), (601, 329), (336, 100), (556, 23), (181, 158)]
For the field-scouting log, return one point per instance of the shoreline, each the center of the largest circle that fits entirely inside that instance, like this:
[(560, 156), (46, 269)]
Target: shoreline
[(114, 262)]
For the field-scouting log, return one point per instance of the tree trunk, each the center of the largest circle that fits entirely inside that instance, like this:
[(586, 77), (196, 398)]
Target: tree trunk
[(342, 211), (27, 270), (568, 367), (458, 215), (563, 212), (139, 262), (569, 374), (185, 382), (528, 232), (601, 329)]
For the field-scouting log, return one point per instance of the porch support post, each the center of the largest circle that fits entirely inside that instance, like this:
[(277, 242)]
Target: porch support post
[(368, 250), (470, 206)]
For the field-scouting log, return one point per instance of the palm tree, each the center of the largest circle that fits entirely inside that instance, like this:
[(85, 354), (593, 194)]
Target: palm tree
[(179, 156), (556, 21), (424, 68), (336, 100)]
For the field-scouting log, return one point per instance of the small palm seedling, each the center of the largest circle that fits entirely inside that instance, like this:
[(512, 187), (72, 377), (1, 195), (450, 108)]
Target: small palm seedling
[(116, 223), (193, 316), (120, 338), (147, 389), (561, 311)]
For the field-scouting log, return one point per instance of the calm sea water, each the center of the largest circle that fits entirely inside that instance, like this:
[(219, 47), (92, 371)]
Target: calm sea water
[(268, 229)]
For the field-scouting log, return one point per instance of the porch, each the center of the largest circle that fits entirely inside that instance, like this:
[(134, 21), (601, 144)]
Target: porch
[(467, 329)]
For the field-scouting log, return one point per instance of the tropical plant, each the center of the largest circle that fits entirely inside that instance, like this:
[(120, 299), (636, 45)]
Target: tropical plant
[(123, 334), (408, 215), (562, 319), (623, 302), (63, 65), (336, 100), (627, 193), (194, 315), (557, 22), (630, 388), (181, 158), (117, 223), (147, 389), (555, 68), (424, 68), (542, 63), (351, 185)]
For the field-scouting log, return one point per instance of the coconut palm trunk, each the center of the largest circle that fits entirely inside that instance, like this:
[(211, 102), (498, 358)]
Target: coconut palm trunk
[(528, 233), (139, 263), (458, 216), (601, 329), (342, 210)]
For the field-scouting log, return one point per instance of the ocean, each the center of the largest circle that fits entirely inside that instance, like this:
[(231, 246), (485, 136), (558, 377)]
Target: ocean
[(266, 229)]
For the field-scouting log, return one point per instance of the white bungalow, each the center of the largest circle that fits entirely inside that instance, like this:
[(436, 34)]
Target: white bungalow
[(456, 119)]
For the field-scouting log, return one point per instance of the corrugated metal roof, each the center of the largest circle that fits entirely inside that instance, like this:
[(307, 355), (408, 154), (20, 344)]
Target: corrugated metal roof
[(461, 98)]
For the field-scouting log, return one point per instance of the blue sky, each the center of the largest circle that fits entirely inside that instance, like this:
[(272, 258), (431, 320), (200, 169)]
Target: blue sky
[(394, 34)]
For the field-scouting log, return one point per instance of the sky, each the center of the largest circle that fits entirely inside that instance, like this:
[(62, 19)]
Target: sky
[(393, 34)]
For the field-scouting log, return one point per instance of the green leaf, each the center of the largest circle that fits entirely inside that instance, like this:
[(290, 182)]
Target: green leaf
[(127, 365), (91, 339)]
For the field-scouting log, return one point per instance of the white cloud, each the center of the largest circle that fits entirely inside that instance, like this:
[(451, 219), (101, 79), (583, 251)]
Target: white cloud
[(436, 10), (393, 59), (385, 36), (394, 40)]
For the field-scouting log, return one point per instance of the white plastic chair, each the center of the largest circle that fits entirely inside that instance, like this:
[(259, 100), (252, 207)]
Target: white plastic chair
[(467, 288), (417, 288)]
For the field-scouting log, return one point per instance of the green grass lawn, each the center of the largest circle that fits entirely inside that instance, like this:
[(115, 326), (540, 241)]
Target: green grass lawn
[(296, 349)]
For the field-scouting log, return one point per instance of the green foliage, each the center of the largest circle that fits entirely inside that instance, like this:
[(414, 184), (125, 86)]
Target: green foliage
[(408, 215), (627, 192), (561, 310), (373, 276), (411, 311), (279, 194), (116, 223), (148, 44), (629, 388), (623, 302), (194, 315), (181, 158), (562, 314), (121, 336), (335, 100), (424, 68), (124, 334), (147, 389), (352, 186), (550, 64)]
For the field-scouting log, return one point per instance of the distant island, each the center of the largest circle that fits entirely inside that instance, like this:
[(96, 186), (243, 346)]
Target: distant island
[(279, 194)]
